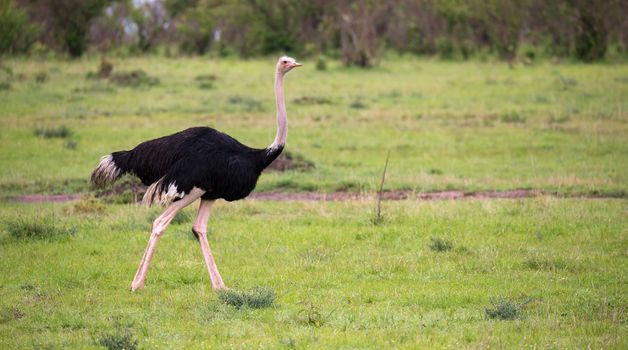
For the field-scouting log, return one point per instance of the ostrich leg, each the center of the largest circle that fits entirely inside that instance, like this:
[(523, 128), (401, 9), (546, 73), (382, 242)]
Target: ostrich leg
[(159, 226), (200, 230)]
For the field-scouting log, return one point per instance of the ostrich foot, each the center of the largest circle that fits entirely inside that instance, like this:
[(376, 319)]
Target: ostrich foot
[(136, 285)]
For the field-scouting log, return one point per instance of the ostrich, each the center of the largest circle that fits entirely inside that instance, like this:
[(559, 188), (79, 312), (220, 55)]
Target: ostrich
[(198, 162)]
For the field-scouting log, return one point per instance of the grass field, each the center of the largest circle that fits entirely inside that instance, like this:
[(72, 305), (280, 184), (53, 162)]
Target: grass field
[(470, 126), (540, 272), (341, 282)]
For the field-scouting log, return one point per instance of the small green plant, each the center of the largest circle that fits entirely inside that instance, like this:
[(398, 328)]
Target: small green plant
[(5, 85), (505, 309), (122, 339), (36, 227), (438, 244), (61, 131), (258, 298)]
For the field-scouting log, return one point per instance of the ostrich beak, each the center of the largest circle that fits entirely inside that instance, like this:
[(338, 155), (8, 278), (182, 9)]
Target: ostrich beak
[(297, 64)]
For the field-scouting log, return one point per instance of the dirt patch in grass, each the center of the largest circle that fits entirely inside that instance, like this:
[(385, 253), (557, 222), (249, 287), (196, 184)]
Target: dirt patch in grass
[(290, 161), (337, 196)]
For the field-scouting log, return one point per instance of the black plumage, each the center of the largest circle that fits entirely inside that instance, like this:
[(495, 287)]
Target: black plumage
[(196, 157)]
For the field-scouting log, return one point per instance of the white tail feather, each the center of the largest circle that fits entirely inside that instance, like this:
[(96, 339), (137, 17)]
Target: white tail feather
[(159, 194), (106, 172)]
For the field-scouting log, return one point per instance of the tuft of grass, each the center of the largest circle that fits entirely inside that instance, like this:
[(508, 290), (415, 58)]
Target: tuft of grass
[(504, 309), (545, 264), (558, 120), (135, 78), (321, 64), (438, 244), (34, 228), (10, 313), (357, 104), (121, 340), (70, 144), (205, 81), (89, 205), (41, 77), (310, 314), (248, 104), (257, 298), (5, 85), (513, 117), (312, 100), (61, 131)]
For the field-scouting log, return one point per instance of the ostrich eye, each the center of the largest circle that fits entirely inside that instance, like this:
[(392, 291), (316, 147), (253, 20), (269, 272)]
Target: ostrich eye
[(284, 62)]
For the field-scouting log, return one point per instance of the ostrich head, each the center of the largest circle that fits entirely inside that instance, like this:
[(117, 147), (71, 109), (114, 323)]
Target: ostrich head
[(285, 64)]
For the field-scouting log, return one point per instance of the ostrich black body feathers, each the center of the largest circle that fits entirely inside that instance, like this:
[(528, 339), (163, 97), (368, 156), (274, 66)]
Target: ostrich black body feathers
[(199, 157)]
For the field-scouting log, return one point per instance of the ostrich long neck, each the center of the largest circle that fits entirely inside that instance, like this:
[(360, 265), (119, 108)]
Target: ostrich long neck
[(282, 119)]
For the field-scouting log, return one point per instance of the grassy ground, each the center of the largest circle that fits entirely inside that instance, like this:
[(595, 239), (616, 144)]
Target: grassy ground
[(470, 126), (538, 273), (424, 278)]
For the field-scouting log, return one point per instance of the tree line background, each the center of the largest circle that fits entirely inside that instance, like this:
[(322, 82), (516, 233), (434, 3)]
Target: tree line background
[(355, 31)]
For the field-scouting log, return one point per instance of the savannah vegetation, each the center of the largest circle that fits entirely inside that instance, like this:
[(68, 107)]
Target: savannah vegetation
[(451, 100)]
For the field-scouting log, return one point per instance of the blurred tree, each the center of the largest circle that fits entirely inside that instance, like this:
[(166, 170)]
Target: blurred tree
[(66, 21), (502, 22), (592, 32), (16, 33), (150, 19), (359, 22)]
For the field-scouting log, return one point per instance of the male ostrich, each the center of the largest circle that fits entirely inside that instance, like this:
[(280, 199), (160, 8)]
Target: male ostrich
[(199, 162)]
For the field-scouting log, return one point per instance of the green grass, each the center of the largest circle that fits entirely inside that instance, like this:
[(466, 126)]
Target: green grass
[(552, 272), (470, 126)]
